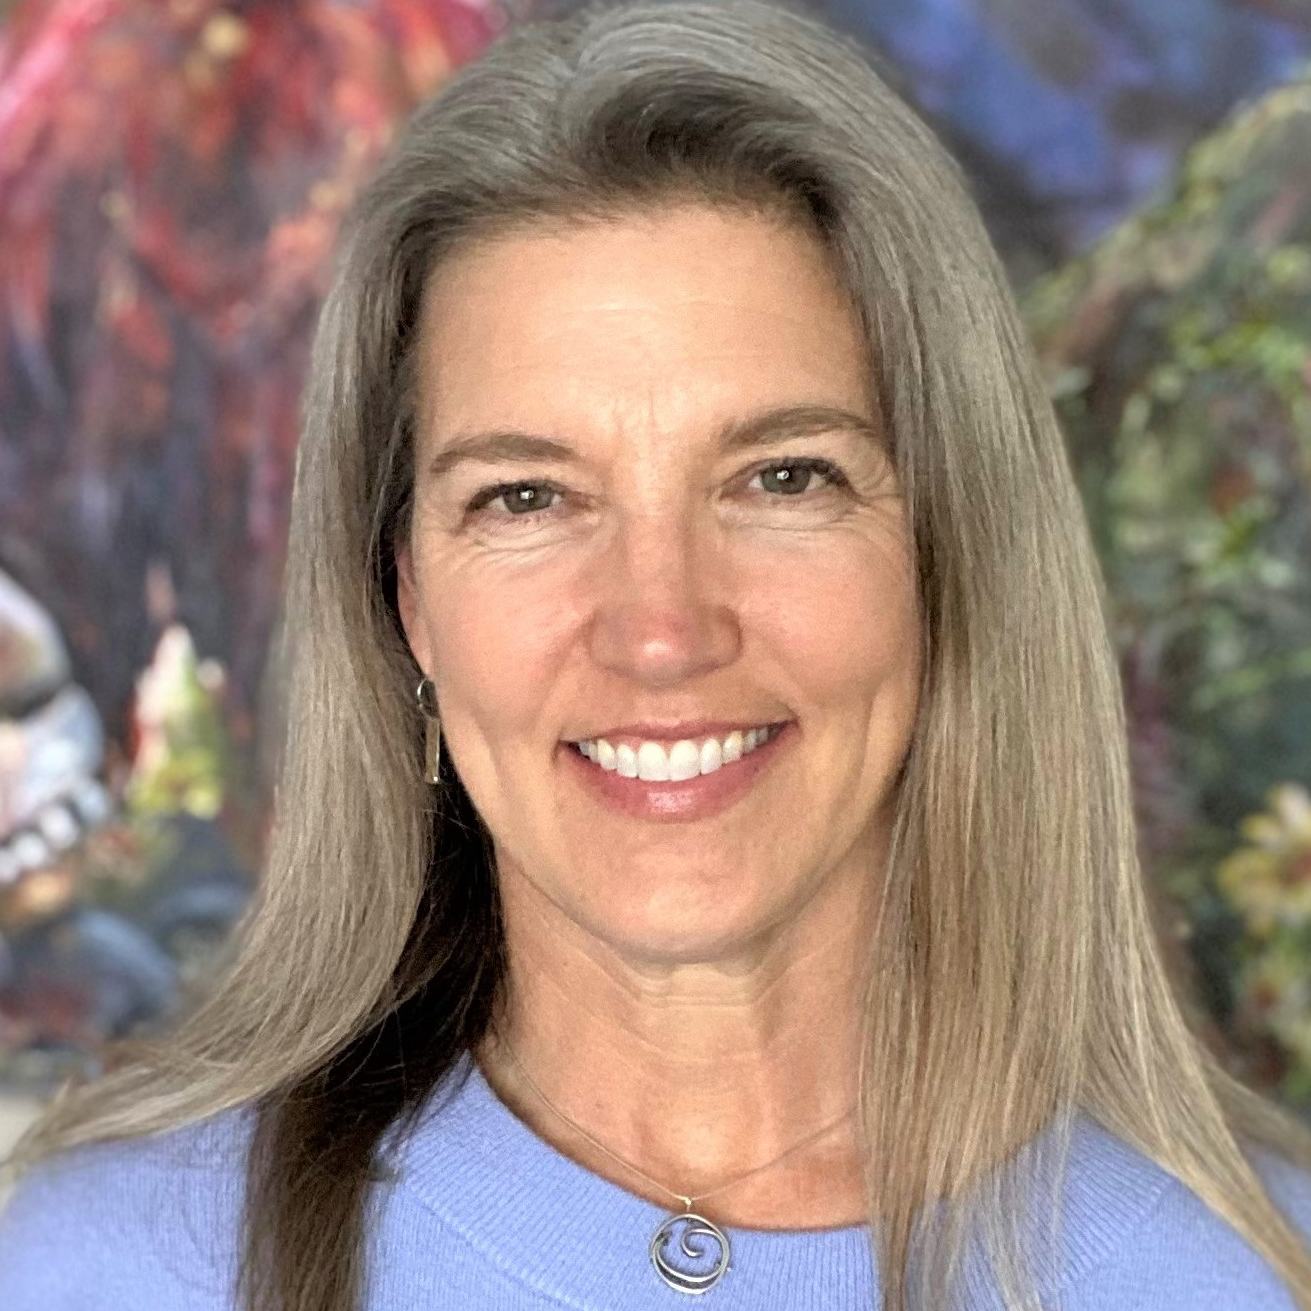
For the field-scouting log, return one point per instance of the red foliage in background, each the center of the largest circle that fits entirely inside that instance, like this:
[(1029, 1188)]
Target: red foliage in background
[(172, 173)]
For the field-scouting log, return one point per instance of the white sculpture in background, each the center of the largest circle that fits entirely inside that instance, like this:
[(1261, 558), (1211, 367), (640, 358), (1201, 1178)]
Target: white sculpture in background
[(51, 741)]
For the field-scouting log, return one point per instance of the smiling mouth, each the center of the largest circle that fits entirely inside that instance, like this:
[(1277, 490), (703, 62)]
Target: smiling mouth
[(683, 761)]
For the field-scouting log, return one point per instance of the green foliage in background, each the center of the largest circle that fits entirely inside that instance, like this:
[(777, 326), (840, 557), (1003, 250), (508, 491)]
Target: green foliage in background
[(1178, 351), (1269, 882), (182, 769), (181, 755)]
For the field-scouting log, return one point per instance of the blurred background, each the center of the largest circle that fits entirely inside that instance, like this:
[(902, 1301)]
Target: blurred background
[(172, 173)]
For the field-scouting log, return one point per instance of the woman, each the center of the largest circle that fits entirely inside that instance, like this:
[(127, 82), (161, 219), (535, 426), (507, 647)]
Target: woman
[(746, 904)]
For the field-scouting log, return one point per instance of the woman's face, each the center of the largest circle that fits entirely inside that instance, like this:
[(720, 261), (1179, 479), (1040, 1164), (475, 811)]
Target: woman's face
[(649, 571)]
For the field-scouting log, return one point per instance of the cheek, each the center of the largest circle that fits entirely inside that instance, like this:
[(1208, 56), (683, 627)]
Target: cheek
[(498, 636), (837, 614), (843, 618)]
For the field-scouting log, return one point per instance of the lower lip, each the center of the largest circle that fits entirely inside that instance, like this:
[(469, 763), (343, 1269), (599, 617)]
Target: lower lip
[(701, 797)]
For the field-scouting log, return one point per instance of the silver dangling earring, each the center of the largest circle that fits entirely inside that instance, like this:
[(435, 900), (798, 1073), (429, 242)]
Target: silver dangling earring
[(426, 693)]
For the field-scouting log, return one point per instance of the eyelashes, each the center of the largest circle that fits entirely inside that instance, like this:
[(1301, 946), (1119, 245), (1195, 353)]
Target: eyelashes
[(479, 505)]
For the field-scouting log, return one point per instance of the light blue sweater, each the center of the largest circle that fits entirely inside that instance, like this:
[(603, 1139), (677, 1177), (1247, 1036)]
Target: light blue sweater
[(486, 1216)]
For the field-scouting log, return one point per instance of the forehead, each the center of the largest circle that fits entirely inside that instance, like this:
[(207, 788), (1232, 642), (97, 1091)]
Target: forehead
[(665, 315)]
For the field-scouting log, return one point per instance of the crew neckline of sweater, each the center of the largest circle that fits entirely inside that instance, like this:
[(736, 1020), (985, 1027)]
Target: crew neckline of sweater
[(576, 1236)]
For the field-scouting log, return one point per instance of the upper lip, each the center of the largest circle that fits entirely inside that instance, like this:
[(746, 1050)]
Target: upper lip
[(688, 728)]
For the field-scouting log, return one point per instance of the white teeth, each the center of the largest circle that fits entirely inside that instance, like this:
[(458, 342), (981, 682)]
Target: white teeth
[(685, 759), (652, 763)]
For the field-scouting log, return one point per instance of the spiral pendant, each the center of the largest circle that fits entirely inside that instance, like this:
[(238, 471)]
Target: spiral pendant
[(695, 1226)]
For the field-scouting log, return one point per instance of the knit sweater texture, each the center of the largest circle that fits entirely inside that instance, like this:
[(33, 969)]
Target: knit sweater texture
[(484, 1215)]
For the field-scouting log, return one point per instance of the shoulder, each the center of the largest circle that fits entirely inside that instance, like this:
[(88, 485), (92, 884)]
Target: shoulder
[(1185, 1256), (141, 1223)]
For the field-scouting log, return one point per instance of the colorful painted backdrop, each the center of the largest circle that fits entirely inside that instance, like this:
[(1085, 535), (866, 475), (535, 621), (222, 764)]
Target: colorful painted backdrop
[(171, 176)]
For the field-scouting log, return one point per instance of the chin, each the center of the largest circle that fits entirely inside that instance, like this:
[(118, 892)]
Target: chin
[(679, 924)]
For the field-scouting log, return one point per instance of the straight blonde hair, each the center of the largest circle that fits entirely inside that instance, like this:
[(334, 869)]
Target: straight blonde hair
[(1021, 974)]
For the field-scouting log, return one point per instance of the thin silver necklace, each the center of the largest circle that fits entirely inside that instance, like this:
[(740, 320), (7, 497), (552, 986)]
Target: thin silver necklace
[(694, 1225)]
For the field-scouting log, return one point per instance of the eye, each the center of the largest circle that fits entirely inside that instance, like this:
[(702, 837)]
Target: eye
[(529, 500), (793, 485), (521, 499)]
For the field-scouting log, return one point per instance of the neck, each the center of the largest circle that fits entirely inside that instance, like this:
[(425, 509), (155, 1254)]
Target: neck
[(695, 1072)]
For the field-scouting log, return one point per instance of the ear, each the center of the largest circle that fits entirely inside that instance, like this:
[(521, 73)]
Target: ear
[(411, 612)]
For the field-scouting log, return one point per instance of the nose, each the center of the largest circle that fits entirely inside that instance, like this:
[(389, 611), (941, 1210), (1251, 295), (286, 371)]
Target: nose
[(665, 613)]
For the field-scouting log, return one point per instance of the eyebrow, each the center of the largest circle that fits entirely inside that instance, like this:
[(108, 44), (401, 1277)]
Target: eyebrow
[(761, 429)]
